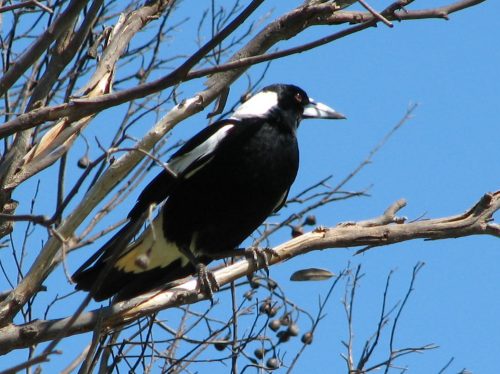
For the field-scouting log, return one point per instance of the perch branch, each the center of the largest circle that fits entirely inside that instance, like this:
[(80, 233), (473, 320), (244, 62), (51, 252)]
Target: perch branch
[(380, 231)]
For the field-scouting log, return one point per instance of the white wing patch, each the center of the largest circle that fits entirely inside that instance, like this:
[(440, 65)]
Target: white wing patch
[(181, 162), (281, 201), (150, 251), (257, 106)]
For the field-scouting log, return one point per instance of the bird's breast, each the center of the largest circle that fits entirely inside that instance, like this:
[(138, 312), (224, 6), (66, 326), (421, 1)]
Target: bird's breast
[(228, 198)]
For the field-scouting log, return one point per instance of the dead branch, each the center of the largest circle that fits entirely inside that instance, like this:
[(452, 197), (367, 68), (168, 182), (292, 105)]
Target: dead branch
[(475, 221)]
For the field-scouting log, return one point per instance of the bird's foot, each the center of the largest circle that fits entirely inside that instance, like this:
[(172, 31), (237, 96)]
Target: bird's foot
[(207, 282), (260, 256)]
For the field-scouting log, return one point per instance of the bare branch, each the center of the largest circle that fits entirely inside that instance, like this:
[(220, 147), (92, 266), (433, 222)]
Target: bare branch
[(40, 45), (476, 221), (25, 4), (375, 13), (283, 28)]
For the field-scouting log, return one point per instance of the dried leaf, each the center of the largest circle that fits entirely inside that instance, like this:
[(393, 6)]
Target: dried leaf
[(311, 274)]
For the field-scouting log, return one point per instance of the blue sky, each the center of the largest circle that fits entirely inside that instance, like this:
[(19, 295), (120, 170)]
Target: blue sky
[(441, 161)]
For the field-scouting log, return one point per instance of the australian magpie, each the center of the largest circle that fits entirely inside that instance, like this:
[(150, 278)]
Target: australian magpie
[(215, 191)]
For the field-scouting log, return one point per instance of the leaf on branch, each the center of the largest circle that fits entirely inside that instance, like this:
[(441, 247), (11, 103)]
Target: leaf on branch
[(311, 274)]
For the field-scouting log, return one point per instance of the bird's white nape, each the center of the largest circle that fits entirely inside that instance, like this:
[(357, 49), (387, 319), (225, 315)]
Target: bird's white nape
[(258, 105)]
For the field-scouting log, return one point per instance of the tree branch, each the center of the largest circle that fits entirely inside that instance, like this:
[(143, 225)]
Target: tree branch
[(475, 221), (281, 29), (40, 45), (43, 264)]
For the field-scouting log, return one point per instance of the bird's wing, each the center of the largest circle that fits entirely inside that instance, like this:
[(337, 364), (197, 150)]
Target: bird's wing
[(192, 156), (130, 264), (120, 240)]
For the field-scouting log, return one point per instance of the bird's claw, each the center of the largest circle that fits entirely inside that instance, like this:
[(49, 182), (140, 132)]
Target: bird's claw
[(260, 256), (207, 282)]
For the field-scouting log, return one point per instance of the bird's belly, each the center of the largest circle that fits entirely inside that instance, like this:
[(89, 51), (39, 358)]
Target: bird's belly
[(219, 220)]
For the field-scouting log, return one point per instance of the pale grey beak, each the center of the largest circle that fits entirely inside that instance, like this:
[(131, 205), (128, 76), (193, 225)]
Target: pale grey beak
[(319, 110)]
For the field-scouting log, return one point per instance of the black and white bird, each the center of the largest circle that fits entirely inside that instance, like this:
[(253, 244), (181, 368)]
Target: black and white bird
[(215, 191)]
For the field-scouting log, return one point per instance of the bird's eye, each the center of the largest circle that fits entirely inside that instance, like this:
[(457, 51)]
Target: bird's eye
[(298, 97)]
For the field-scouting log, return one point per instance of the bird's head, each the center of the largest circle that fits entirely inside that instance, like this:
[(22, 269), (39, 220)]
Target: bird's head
[(284, 103)]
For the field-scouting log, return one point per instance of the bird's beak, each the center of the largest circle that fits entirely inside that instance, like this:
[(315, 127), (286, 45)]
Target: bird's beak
[(319, 110)]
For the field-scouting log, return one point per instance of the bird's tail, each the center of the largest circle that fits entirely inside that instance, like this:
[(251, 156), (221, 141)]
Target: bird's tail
[(127, 270)]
